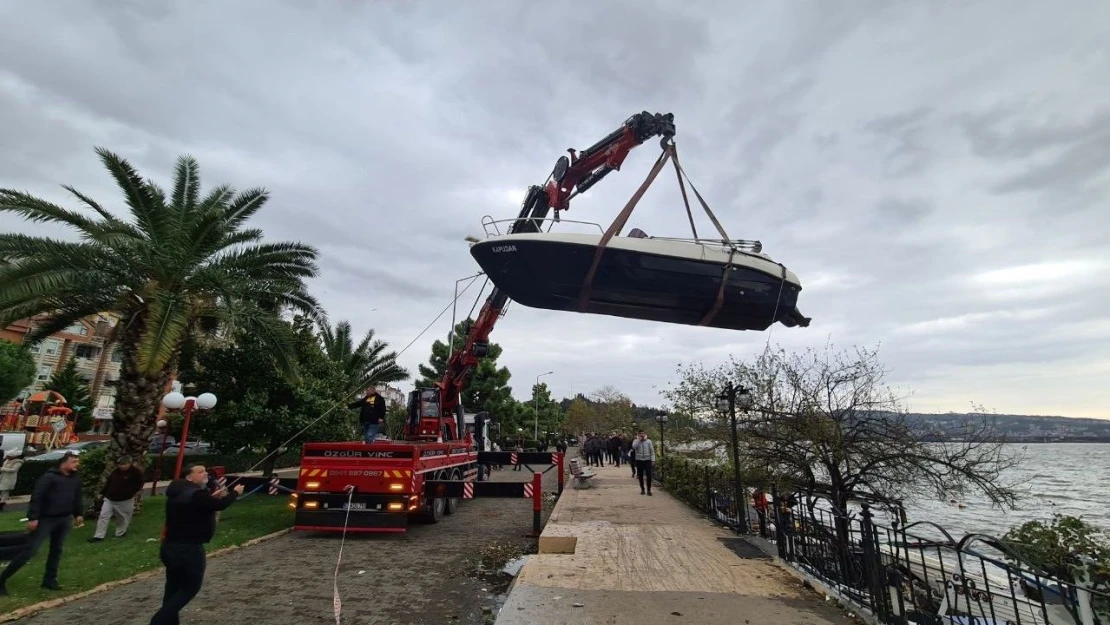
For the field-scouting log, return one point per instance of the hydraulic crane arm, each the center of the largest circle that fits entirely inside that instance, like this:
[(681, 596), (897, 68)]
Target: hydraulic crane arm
[(570, 177)]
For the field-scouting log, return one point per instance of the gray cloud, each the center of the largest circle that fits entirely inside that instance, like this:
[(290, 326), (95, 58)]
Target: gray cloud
[(938, 195)]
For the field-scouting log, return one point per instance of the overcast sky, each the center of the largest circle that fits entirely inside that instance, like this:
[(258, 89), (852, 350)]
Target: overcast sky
[(935, 173)]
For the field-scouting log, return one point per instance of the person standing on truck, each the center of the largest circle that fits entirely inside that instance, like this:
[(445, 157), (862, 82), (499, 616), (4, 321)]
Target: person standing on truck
[(190, 523), (55, 506), (371, 414)]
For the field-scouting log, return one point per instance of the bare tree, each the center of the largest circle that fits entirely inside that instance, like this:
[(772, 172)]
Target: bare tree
[(830, 418)]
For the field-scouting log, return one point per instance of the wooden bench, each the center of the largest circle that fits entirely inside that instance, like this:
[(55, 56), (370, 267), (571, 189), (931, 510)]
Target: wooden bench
[(581, 476)]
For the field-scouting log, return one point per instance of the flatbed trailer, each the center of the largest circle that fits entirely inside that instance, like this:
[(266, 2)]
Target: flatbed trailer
[(380, 486)]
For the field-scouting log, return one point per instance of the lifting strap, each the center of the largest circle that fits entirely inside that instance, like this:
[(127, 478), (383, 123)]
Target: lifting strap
[(619, 223), (705, 206), (670, 152), (719, 303)]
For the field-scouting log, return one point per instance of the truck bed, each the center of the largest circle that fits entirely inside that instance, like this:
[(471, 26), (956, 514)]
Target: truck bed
[(387, 478)]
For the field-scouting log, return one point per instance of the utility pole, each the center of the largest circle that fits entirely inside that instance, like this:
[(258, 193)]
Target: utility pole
[(536, 405)]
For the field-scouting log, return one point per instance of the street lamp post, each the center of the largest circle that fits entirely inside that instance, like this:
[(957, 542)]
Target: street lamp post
[(164, 428), (728, 401), (177, 401), (536, 405), (661, 418)]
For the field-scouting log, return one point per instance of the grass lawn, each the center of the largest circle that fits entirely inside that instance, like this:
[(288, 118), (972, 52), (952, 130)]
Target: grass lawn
[(87, 565)]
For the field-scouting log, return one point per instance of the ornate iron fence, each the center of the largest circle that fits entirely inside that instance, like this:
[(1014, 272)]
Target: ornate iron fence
[(897, 572)]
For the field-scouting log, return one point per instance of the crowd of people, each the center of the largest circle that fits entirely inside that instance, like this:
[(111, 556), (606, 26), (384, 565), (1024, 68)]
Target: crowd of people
[(617, 448)]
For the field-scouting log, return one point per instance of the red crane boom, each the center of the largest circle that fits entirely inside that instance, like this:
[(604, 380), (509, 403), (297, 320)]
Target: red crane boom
[(570, 177)]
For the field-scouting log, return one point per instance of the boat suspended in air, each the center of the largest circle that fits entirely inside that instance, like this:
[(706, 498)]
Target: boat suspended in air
[(716, 282), (723, 284)]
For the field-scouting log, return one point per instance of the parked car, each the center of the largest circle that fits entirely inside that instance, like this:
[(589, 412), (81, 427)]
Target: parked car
[(85, 445), (54, 455), (191, 447), (157, 442)]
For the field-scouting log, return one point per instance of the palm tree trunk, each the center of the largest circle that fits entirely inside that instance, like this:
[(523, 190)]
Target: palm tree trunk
[(137, 400)]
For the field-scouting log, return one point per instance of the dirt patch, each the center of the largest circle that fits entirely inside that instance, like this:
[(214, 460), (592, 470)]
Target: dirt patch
[(429, 575)]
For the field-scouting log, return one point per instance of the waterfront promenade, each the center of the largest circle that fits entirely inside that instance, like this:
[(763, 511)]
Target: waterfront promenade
[(611, 556)]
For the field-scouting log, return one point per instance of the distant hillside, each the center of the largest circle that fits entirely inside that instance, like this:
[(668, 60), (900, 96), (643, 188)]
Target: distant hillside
[(1019, 428)]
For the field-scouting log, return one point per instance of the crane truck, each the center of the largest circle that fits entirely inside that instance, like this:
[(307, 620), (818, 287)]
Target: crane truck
[(381, 486)]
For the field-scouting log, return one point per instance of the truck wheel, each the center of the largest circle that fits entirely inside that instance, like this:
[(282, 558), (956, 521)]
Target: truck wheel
[(452, 502), (435, 510)]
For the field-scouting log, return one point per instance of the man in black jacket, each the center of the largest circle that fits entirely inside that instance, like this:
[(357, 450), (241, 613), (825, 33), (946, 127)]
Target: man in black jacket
[(371, 413), (55, 506), (190, 523), (119, 498)]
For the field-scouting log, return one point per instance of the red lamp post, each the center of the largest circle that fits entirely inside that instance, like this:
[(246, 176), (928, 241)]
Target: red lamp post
[(164, 427), (177, 401)]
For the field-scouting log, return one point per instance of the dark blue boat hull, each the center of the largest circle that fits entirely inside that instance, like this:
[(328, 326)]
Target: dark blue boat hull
[(637, 285)]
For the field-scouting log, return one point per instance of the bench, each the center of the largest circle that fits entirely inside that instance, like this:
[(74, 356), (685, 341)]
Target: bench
[(581, 476)]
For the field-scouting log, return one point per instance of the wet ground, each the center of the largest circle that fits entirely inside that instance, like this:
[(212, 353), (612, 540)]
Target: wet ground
[(429, 575)]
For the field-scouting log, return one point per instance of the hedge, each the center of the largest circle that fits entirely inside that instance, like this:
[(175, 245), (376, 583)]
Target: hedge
[(690, 481), (30, 472)]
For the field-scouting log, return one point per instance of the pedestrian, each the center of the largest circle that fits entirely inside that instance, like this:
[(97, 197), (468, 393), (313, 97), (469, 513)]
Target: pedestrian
[(615, 448), (519, 449), (645, 458), (371, 414), (630, 455), (190, 523), (119, 498), (9, 475), (55, 507)]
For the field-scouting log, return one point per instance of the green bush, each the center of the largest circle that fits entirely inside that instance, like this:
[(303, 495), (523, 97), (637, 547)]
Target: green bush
[(690, 481), (509, 444), (92, 463)]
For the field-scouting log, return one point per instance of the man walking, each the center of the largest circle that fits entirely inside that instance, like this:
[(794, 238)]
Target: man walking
[(370, 415), (190, 523), (645, 458), (119, 498), (55, 506)]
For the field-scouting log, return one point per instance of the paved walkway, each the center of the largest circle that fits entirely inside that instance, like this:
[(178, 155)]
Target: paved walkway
[(638, 560)]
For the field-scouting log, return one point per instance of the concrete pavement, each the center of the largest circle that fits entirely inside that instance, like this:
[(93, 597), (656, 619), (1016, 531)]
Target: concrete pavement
[(612, 556)]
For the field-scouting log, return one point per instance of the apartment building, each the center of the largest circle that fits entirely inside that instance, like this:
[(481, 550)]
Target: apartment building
[(87, 343), (393, 396)]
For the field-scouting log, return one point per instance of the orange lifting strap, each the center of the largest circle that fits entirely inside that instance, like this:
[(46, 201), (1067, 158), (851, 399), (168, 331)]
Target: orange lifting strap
[(669, 153)]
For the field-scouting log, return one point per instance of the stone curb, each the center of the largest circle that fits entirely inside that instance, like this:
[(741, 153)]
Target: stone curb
[(53, 603)]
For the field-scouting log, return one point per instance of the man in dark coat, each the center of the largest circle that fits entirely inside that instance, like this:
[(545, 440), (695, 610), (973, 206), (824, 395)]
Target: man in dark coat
[(55, 507), (190, 523), (119, 498), (371, 414)]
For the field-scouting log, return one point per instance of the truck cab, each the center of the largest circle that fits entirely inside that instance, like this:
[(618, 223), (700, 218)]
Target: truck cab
[(480, 432)]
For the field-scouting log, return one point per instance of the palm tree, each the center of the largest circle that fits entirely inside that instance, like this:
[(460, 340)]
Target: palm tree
[(181, 266), (366, 364)]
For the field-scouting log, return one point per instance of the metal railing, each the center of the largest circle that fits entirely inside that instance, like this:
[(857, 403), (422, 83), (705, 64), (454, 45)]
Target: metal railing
[(489, 223), (740, 245), (898, 573)]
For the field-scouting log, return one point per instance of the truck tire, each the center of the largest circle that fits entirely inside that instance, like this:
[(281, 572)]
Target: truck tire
[(435, 508), (452, 502)]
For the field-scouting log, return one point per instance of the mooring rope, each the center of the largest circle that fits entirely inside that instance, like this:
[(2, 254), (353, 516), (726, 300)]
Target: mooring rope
[(336, 602), (778, 298)]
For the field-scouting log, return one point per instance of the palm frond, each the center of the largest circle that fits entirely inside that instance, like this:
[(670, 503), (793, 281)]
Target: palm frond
[(186, 184), (87, 201), (166, 320), (149, 215), (38, 210), (245, 205)]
